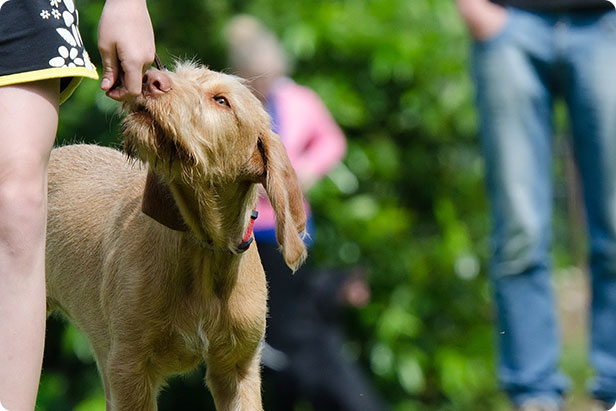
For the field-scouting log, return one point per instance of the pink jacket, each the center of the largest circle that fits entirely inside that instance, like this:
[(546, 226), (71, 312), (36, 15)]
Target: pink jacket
[(314, 142)]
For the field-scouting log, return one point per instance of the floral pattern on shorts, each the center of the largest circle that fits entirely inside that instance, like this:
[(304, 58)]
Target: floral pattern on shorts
[(40, 39)]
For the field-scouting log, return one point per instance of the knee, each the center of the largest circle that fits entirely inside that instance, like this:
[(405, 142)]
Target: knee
[(507, 85), (23, 195), (519, 247)]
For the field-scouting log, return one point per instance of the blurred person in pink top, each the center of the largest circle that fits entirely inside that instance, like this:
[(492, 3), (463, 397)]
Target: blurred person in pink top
[(303, 357), (313, 140)]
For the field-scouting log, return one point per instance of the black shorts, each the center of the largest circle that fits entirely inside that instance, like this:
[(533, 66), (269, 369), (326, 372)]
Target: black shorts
[(39, 39)]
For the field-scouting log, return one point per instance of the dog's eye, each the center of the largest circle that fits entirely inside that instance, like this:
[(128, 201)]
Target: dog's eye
[(222, 101)]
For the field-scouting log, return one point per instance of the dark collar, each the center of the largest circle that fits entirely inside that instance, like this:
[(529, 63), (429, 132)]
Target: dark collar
[(159, 204)]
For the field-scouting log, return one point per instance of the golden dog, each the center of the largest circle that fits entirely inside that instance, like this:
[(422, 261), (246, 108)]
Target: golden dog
[(148, 259)]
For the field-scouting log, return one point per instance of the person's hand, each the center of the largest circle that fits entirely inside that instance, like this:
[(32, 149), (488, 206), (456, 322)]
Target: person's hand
[(355, 291), (126, 44), (483, 18)]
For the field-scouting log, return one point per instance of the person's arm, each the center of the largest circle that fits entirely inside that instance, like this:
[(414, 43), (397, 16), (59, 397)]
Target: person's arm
[(126, 44), (482, 17)]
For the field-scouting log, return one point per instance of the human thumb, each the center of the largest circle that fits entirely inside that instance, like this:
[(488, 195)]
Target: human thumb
[(111, 70)]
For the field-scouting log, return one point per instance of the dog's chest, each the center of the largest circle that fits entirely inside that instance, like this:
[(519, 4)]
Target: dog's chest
[(195, 340), (181, 349)]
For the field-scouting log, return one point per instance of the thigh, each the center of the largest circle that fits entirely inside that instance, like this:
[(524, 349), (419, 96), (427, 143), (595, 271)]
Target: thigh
[(28, 122), (514, 101), (591, 97)]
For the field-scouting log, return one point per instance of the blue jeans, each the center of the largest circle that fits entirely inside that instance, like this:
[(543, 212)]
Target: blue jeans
[(518, 73)]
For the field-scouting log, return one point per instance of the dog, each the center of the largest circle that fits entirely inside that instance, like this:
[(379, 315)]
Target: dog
[(151, 257)]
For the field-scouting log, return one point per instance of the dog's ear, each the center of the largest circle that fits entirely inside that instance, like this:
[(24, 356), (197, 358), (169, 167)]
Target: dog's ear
[(285, 195), (159, 204)]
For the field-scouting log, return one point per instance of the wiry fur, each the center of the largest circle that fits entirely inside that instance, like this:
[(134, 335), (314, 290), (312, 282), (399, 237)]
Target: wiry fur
[(154, 301)]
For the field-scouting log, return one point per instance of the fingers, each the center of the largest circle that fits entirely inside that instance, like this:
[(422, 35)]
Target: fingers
[(133, 77), (483, 18), (126, 44), (110, 69), (123, 80)]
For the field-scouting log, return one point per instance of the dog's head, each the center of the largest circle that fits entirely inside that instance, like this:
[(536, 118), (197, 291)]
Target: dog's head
[(201, 129)]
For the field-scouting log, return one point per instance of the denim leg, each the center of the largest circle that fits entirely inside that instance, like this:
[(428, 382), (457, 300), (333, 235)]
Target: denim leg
[(590, 47), (515, 106)]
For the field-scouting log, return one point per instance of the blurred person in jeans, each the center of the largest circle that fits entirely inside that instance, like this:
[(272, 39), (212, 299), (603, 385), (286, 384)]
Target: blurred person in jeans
[(525, 54), (304, 357)]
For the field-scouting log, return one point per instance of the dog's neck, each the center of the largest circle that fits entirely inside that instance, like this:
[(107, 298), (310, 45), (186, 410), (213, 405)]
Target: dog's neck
[(217, 216), (220, 217), (215, 219)]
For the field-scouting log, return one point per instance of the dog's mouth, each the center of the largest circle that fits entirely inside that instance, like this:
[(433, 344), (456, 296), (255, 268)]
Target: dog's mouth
[(139, 126), (143, 134), (137, 110)]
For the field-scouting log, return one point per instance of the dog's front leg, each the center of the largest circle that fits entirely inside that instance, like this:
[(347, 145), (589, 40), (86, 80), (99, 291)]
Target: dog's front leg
[(130, 387), (235, 386)]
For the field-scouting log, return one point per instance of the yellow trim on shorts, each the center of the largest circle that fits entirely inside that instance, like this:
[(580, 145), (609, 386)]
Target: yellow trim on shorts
[(76, 72)]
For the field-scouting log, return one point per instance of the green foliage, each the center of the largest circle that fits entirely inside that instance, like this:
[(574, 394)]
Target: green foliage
[(407, 204)]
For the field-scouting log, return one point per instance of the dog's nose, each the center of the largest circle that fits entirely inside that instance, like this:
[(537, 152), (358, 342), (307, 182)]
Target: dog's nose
[(155, 83)]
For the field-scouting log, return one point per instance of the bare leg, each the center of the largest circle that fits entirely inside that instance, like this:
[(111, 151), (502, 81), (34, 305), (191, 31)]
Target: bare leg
[(28, 124)]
